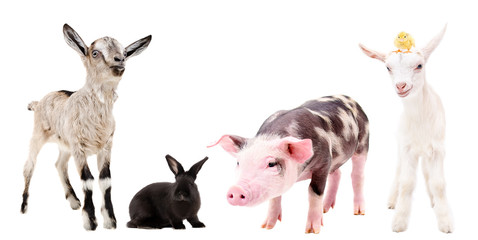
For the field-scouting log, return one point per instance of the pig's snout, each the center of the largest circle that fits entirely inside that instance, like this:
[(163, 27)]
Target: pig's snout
[(237, 196)]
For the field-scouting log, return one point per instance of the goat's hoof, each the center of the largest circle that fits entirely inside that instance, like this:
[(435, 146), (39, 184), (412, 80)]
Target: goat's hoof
[(89, 223), (75, 203), (399, 224), (109, 224), (445, 226)]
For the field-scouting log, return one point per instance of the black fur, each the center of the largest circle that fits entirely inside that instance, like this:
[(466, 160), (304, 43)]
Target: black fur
[(88, 206), (164, 204), (67, 93)]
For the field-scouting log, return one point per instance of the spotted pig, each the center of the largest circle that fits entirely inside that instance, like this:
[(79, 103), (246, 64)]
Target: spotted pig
[(311, 141)]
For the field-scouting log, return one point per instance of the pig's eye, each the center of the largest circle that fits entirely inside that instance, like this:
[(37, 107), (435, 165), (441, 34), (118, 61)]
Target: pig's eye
[(237, 163), (272, 164)]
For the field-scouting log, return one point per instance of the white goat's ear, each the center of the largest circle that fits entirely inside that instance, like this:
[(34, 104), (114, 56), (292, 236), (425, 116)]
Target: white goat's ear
[(74, 40), (373, 54), (428, 49), (137, 47)]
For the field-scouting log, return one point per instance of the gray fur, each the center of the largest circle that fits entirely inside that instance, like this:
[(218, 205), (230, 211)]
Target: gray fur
[(82, 123)]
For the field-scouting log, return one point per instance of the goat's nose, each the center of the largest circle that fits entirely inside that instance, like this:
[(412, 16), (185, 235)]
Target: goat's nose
[(118, 59), (401, 86)]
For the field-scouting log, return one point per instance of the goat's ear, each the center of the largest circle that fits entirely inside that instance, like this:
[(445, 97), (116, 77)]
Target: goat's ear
[(372, 53), (174, 165), (193, 171), (74, 40), (137, 47), (428, 49)]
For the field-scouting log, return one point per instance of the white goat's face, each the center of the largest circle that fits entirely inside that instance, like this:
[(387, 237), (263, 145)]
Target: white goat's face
[(407, 72), (107, 55)]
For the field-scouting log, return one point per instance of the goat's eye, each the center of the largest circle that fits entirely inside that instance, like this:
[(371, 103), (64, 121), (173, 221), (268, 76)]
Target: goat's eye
[(94, 53), (388, 69), (419, 66), (272, 164), (125, 54)]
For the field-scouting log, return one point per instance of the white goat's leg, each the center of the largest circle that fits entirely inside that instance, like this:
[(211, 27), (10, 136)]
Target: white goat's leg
[(392, 198), (426, 176), (407, 180), (36, 143), (436, 184), (89, 219), (62, 167), (104, 158)]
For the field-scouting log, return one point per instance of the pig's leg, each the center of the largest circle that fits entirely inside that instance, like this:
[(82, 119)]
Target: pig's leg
[(358, 165), (407, 181), (316, 207), (333, 184), (274, 213), (436, 186)]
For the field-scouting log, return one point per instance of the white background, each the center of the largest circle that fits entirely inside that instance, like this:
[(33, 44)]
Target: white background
[(222, 67)]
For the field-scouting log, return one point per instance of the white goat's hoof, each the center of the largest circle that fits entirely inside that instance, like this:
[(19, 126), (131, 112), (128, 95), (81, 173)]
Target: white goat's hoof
[(445, 225), (400, 224)]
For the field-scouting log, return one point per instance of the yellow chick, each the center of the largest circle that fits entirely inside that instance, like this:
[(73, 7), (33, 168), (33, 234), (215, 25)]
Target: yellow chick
[(404, 41)]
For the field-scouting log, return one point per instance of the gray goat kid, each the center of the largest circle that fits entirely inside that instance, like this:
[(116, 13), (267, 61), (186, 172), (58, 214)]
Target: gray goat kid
[(82, 122)]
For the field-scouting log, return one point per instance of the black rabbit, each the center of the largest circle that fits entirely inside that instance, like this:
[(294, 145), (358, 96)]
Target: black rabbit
[(164, 204)]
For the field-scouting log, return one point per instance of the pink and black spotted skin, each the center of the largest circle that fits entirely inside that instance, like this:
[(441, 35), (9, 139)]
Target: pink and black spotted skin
[(308, 142), (337, 126)]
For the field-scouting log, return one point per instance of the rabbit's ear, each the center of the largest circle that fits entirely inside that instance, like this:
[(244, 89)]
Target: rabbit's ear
[(174, 165), (193, 171)]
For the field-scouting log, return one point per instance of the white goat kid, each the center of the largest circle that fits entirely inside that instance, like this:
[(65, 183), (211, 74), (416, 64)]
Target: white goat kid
[(82, 122), (421, 134)]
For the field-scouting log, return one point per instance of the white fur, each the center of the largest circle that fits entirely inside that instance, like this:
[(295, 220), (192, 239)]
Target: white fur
[(421, 135)]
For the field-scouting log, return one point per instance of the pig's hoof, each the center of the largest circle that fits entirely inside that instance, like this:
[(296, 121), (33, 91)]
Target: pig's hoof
[(313, 225), (315, 230), (359, 209)]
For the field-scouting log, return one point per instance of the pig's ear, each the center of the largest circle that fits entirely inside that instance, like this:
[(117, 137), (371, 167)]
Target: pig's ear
[(231, 143), (299, 150)]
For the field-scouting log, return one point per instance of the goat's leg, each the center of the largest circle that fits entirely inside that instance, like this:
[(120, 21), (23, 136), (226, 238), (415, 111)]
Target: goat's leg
[(407, 180), (436, 186), (426, 176), (392, 197), (36, 143), (358, 167), (89, 219), (62, 167), (104, 158)]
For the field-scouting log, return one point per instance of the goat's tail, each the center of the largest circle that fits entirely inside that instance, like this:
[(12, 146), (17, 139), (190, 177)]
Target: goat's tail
[(32, 106)]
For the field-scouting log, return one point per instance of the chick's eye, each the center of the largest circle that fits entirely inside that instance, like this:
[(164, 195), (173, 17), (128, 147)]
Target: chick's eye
[(405, 36), (94, 53), (272, 164)]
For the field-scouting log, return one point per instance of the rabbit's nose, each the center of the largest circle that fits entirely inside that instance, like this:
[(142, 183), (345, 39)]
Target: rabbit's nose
[(181, 196)]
